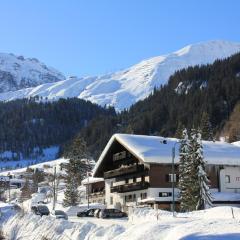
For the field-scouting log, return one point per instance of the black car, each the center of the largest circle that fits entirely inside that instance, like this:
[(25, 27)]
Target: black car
[(86, 213), (112, 213), (40, 210)]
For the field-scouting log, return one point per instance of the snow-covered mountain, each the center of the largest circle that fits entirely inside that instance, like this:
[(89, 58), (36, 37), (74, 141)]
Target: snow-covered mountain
[(17, 72), (123, 88)]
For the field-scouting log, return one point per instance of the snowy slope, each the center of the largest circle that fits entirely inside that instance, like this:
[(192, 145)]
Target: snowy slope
[(215, 223), (124, 88), (17, 72)]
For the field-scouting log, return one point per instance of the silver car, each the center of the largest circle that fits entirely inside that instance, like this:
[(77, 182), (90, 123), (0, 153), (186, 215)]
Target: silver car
[(59, 214)]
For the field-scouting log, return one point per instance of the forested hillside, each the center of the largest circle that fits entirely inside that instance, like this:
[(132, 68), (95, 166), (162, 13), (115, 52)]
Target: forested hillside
[(209, 90), (202, 96), (27, 124)]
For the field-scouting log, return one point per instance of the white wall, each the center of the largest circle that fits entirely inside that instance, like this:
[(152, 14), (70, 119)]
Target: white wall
[(234, 185)]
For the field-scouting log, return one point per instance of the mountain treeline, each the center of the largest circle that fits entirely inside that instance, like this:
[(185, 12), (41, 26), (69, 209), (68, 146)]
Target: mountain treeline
[(209, 91), (28, 124)]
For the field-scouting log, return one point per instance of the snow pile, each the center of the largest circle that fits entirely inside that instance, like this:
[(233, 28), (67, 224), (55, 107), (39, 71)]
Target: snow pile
[(123, 88), (215, 223), (236, 143), (34, 227)]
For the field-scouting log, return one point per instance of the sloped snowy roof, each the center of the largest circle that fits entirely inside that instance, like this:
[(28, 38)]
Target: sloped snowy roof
[(150, 149), (92, 180)]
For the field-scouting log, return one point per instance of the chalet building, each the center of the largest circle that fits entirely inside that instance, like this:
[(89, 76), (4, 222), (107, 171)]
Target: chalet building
[(95, 189), (137, 170)]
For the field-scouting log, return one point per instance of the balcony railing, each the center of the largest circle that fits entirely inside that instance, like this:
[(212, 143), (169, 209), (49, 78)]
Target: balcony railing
[(130, 187), (123, 170), (97, 194)]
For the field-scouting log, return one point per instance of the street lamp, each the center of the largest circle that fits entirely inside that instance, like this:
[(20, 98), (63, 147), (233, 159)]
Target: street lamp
[(173, 173), (173, 179)]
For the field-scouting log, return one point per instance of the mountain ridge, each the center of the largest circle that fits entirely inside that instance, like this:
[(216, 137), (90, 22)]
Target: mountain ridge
[(123, 88), (18, 72)]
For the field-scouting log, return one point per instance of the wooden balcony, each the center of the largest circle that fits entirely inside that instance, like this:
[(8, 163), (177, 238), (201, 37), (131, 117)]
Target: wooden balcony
[(130, 187), (124, 170), (97, 194)]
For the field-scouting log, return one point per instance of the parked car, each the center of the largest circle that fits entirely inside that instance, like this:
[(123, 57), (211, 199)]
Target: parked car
[(40, 210), (59, 214), (86, 213), (111, 213)]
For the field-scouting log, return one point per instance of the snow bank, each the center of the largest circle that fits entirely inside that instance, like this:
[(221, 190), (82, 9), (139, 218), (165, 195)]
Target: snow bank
[(34, 227), (215, 223)]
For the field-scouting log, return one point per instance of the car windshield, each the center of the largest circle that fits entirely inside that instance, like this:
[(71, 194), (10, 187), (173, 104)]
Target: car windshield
[(59, 212), (42, 208)]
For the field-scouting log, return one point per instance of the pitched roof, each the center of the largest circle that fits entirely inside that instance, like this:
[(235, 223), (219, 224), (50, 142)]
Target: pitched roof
[(150, 149)]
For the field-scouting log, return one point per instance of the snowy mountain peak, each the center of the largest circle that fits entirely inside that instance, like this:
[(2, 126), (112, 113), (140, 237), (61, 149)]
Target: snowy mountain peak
[(17, 72), (123, 88)]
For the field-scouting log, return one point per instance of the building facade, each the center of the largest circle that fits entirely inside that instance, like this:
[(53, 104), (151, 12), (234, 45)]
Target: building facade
[(138, 170)]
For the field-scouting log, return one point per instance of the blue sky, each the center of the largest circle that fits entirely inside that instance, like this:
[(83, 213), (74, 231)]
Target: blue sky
[(99, 36)]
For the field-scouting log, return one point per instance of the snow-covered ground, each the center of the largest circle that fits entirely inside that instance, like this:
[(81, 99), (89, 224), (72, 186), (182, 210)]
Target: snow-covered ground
[(50, 163), (123, 88), (47, 155), (216, 223)]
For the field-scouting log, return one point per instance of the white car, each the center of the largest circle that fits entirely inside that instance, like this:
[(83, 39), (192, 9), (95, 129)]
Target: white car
[(59, 214)]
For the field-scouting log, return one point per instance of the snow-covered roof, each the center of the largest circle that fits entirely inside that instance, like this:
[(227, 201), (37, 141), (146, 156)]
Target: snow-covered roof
[(92, 180), (151, 149)]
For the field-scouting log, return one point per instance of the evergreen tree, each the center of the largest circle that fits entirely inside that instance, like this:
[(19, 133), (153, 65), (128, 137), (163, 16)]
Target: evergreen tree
[(199, 194), (204, 198), (79, 163), (76, 170), (206, 127), (184, 162), (26, 191), (71, 194), (179, 131)]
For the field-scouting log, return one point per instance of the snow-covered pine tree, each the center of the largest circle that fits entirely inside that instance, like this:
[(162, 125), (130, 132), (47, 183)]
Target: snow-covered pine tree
[(184, 162), (205, 198), (198, 181)]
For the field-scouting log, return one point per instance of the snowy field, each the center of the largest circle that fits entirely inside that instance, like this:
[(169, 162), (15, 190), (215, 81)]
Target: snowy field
[(50, 163), (218, 223), (47, 155)]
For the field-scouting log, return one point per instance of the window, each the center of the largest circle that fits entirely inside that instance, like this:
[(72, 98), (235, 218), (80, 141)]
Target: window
[(165, 194), (143, 195), (134, 197), (227, 178), (126, 180), (111, 200), (130, 198), (134, 179)]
